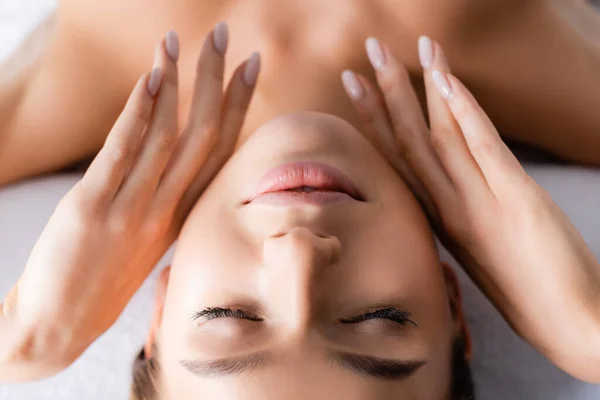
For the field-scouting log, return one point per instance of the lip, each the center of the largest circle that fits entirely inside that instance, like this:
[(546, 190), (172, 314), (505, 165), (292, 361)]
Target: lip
[(331, 185)]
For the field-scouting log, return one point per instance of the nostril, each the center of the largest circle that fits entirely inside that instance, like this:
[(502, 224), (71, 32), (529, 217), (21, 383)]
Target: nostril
[(278, 235), (301, 247), (317, 234)]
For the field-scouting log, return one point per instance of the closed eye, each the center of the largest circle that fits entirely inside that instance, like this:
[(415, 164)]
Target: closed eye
[(224, 312), (397, 315)]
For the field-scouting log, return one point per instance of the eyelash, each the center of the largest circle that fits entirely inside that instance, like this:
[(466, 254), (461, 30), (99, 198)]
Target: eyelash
[(224, 312), (394, 314)]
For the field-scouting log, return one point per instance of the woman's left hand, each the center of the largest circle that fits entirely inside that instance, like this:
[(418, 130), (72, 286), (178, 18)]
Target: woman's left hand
[(503, 228), (111, 229)]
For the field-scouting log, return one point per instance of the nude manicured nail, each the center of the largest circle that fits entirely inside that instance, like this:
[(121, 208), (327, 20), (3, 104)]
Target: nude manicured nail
[(425, 52), (442, 83), (154, 81), (352, 85), (172, 45), (375, 53), (252, 69), (221, 37)]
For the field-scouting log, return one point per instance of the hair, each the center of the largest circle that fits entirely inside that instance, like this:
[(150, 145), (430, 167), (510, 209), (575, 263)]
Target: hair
[(144, 385), (462, 378), (146, 374)]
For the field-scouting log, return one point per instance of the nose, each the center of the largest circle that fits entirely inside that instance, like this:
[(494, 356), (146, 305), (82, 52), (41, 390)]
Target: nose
[(294, 263)]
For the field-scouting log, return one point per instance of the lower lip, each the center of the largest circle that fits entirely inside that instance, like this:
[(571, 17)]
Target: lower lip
[(302, 198)]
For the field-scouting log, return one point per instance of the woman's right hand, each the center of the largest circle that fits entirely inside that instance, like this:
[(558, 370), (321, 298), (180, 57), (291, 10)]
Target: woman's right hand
[(111, 229), (503, 228)]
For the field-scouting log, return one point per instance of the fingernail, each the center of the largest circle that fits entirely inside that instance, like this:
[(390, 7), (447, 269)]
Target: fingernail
[(352, 85), (251, 71), (442, 83), (154, 81), (425, 52), (172, 45), (375, 53), (221, 37)]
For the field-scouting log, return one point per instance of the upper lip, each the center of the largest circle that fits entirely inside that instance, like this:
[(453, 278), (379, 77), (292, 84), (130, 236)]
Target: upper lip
[(306, 174)]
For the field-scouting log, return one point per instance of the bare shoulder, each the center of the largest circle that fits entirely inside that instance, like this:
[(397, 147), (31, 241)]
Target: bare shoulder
[(67, 89)]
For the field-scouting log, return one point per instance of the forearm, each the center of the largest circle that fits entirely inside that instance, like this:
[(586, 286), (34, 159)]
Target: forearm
[(552, 303), (564, 326)]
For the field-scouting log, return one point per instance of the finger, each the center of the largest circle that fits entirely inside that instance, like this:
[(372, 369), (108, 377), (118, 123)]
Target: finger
[(236, 103), (446, 137), (202, 134), (208, 90), (408, 122), (161, 134), (370, 107), (237, 100), (106, 173), (498, 165)]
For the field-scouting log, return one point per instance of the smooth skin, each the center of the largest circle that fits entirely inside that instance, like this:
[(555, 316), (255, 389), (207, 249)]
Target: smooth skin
[(535, 72), (474, 190), (132, 200), (503, 228)]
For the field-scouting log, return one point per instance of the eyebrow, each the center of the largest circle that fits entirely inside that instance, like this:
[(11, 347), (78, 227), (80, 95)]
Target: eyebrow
[(375, 367), (231, 366), (380, 368)]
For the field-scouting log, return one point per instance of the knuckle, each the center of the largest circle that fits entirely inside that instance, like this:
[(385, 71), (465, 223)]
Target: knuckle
[(155, 227), (394, 79), (120, 153), (165, 140), (438, 141), (209, 133), (82, 199), (141, 113), (367, 114), (443, 144), (483, 147), (387, 83), (407, 144), (119, 224), (152, 229), (209, 128), (462, 109), (404, 151)]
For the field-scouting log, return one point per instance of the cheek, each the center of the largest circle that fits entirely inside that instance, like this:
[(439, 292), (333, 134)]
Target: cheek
[(403, 268), (212, 265), (215, 258), (399, 258)]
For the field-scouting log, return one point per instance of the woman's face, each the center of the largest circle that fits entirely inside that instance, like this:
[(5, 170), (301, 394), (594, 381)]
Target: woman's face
[(306, 300)]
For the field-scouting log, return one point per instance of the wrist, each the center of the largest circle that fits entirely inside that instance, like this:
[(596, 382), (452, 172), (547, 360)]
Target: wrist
[(30, 353)]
